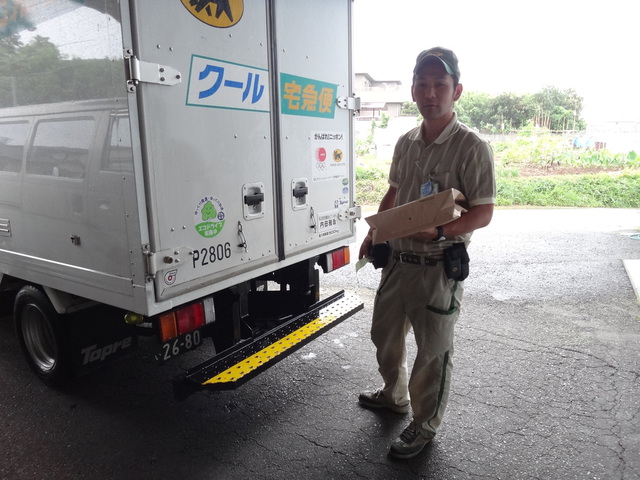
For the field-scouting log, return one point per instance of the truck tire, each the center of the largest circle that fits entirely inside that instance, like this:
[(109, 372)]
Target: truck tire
[(41, 336)]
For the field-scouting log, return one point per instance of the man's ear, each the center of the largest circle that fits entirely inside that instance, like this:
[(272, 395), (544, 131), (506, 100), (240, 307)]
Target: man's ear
[(456, 96)]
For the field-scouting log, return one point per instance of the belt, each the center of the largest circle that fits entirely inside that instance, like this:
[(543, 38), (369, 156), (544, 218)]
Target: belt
[(416, 259)]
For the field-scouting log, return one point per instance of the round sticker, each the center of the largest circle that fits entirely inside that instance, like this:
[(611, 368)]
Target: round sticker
[(221, 13), (209, 217), (170, 277), (321, 153)]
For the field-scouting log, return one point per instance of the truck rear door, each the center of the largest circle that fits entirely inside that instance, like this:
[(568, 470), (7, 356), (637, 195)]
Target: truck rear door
[(247, 155), (315, 127)]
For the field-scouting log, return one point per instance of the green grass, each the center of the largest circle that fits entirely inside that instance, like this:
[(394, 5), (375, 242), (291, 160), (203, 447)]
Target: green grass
[(370, 191), (599, 190), (546, 150), (620, 189)]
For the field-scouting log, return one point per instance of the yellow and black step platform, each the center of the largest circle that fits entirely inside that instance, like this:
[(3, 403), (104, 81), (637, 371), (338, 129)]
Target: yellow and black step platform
[(230, 370)]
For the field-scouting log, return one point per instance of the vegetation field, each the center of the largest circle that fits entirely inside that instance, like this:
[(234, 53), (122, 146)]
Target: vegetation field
[(538, 169)]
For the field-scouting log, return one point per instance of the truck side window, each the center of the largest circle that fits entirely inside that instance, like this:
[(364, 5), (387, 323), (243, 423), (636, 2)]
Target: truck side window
[(61, 147), (13, 137), (120, 157)]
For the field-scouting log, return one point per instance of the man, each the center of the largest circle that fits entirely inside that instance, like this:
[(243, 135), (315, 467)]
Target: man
[(415, 292)]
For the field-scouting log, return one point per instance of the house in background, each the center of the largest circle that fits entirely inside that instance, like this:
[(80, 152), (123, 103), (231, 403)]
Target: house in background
[(380, 96)]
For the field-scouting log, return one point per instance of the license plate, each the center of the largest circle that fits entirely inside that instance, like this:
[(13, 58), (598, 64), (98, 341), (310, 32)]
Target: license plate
[(179, 345)]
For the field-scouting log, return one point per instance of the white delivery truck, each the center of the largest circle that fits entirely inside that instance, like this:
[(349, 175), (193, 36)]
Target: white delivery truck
[(175, 169)]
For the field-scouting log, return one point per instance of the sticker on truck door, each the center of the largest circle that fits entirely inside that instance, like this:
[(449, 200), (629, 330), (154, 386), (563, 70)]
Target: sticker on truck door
[(307, 97), (209, 217), (328, 224), (327, 156), (217, 13), (220, 84)]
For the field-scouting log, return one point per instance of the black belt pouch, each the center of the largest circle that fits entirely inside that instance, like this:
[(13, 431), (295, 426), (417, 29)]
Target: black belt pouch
[(456, 262), (380, 253)]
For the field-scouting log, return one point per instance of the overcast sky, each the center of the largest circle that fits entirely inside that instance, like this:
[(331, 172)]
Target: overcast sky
[(506, 46), (511, 46)]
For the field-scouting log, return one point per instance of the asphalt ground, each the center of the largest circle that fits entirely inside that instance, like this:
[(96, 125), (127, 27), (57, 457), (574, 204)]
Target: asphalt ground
[(546, 383)]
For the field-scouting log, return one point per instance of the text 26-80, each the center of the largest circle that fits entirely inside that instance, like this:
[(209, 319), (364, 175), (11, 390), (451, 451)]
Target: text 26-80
[(213, 254), (178, 345)]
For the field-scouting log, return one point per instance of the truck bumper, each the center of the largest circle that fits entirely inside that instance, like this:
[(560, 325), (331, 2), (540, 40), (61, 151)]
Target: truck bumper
[(233, 368)]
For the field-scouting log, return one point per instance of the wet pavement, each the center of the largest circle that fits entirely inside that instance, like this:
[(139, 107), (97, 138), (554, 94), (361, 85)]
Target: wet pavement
[(546, 383)]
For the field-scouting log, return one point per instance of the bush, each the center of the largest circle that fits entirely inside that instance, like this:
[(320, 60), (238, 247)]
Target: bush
[(371, 185), (601, 190), (368, 173), (539, 149), (547, 149)]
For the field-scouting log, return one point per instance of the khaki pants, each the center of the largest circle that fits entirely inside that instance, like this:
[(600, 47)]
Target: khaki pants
[(421, 297)]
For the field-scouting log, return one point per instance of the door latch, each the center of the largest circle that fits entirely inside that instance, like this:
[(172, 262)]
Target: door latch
[(253, 199), (299, 192)]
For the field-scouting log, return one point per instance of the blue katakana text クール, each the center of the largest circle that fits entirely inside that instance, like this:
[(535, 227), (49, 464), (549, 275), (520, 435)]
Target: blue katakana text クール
[(251, 86)]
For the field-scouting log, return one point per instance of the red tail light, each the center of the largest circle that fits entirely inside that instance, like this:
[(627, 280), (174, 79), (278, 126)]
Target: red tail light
[(190, 318), (186, 319), (335, 259)]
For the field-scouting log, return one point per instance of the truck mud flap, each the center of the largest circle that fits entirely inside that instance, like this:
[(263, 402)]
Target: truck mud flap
[(230, 370)]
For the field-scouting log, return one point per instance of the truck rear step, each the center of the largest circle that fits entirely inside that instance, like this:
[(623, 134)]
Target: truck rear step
[(247, 360)]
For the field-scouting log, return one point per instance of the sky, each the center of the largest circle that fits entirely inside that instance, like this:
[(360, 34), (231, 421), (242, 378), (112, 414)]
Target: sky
[(512, 46), (506, 46)]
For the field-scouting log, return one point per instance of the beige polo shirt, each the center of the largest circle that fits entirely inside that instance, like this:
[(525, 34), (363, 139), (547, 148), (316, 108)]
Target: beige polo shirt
[(458, 159)]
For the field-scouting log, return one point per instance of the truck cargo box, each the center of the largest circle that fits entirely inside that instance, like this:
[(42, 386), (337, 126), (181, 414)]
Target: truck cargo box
[(159, 155)]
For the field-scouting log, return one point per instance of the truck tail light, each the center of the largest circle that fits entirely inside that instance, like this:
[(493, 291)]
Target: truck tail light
[(168, 326), (334, 259), (186, 319), (190, 318)]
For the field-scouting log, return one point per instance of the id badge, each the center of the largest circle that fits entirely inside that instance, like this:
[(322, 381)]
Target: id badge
[(428, 188)]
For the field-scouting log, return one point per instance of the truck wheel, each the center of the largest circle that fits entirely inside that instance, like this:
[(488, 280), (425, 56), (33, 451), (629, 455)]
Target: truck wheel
[(41, 337)]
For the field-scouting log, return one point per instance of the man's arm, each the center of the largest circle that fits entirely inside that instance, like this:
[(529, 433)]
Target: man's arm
[(385, 204), (477, 217)]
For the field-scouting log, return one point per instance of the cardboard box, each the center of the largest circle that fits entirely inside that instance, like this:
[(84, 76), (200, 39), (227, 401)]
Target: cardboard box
[(413, 217)]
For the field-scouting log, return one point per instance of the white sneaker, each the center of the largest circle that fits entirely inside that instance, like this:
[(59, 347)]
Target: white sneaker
[(410, 443), (378, 400)]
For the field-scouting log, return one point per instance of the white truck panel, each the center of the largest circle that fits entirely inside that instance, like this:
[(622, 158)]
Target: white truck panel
[(66, 169), (179, 170), (181, 182), (211, 146), (315, 132)]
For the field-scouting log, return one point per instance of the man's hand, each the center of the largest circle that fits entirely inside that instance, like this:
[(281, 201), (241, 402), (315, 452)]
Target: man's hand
[(365, 248), (475, 218), (385, 204), (428, 235)]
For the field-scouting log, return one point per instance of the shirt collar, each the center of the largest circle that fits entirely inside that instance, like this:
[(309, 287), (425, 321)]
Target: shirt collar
[(451, 128)]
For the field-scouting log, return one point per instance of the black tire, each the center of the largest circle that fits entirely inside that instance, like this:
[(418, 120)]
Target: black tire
[(41, 335)]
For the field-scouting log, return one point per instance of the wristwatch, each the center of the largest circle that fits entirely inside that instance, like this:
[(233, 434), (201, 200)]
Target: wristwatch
[(440, 236)]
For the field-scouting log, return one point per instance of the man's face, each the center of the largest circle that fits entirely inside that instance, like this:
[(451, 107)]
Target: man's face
[(433, 91)]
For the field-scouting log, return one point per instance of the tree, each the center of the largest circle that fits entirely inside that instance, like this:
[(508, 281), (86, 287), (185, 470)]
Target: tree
[(550, 108), (510, 111), (37, 70), (37, 73), (473, 109), (8, 64), (409, 108), (384, 121), (558, 110)]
